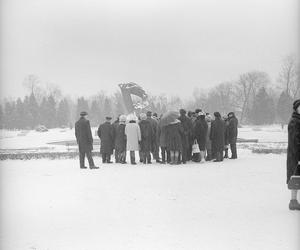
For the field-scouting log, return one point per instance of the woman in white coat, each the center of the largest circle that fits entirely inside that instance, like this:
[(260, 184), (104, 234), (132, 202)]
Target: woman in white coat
[(133, 134)]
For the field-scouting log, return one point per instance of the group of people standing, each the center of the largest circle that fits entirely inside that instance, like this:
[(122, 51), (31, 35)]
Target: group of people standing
[(189, 136)]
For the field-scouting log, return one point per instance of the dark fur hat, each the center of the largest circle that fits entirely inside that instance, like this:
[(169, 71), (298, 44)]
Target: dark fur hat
[(296, 104)]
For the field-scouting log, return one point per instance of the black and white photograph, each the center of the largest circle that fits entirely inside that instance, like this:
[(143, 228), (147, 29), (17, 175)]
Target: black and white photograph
[(149, 125)]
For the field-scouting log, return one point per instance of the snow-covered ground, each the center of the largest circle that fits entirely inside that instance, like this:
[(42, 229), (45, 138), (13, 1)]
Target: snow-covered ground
[(237, 204)]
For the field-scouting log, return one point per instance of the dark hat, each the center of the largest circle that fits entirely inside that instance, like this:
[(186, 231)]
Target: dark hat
[(217, 114), (198, 110), (296, 104), (182, 111), (149, 113), (230, 114), (108, 118), (83, 113), (155, 115)]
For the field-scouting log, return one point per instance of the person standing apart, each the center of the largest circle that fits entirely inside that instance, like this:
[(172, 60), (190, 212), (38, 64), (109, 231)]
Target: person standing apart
[(232, 134), (293, 151), (106, 135), (133, 136), (84, 140), (217, 136)]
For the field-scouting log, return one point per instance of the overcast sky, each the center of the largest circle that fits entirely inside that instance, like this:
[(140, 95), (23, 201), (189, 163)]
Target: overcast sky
[(167, 46)]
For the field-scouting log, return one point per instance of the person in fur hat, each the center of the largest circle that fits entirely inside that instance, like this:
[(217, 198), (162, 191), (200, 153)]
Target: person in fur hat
[(293, 151)]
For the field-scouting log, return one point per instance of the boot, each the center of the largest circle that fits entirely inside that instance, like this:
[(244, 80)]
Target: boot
[(132, 158), (294, 205), (94, 167), (202, 153), (226, 153)]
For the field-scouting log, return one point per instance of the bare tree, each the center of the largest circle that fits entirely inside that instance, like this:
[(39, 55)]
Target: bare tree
[(289, 76), (247, 86)]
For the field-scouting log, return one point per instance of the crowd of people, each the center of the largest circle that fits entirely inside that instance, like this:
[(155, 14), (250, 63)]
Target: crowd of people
[(174, 138)]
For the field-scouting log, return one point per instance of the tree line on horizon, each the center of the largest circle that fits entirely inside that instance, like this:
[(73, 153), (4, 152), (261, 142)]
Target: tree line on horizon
[(253, 97)]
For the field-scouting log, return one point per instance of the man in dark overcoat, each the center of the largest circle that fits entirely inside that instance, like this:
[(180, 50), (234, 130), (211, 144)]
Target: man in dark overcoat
[(120, 140), (84, 140), (115, 126), (147, 135), (200, 133), (186, 140), (154, 143), (293, 151), (217, 136), (106, 135), (232, 134)]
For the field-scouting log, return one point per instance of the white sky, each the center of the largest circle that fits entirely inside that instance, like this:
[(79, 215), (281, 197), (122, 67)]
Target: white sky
[(166, 46)]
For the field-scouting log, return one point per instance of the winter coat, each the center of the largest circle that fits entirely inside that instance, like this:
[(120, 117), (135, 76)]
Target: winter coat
[(120, 138), (208, 140), (217, 134), (174, 134), (162, 135), (200, 132), (154, 125), (133, 135), (146, 136), (187, 129), (226, 133), (293, 151), (83, 135), (232, 130), (106, 135)]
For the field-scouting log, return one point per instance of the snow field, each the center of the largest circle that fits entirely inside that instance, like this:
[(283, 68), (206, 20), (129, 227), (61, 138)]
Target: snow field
[(237, 204)]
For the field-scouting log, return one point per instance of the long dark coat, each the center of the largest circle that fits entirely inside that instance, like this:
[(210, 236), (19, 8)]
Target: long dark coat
[(232, 130), (200, 132), (120, 138), (83, 135), (147, 135), (226, 133), (187, 129), (162, 135), (174, 134), (154, 125), (293, 151), (217, 134), (106, 135)]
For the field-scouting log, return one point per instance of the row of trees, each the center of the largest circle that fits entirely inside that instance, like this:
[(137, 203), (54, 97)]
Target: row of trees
[(254, 98)]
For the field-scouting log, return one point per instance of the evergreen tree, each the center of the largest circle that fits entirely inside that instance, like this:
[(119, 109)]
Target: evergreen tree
[(284, 109), (263, 108), (51, 121), (95, 113), (1, 117), (43, 112), (26, 111), (10, 115), (20, 114), (33, 111), (63, 113)]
